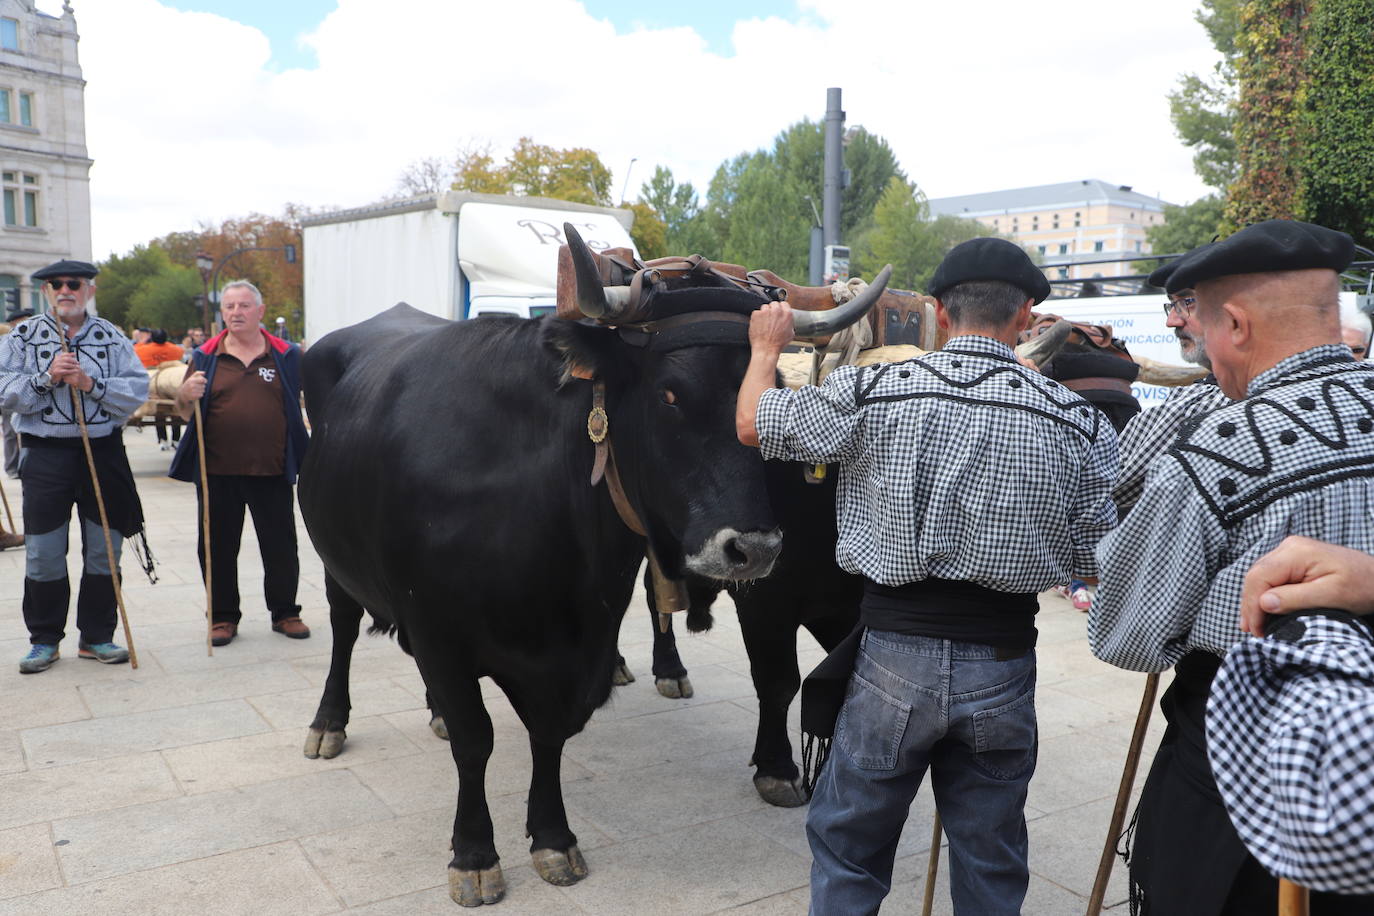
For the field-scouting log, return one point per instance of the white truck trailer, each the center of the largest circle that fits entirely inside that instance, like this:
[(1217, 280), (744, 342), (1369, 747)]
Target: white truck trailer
[(456, 255)]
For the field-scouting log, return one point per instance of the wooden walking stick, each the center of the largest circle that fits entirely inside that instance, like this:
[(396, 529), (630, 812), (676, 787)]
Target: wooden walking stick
[(1293, 899), (205, 526), (932, 868), (99, 503), (1123, 794)]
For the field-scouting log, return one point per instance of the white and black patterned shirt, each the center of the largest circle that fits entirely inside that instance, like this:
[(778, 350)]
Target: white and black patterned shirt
[(1150, 432), (104, 353), (1296, 456), (961, 464), (1290, 735)]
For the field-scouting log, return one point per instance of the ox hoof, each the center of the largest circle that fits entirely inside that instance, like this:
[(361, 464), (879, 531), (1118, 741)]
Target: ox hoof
[(674, 688), (622, 675), (562, 868), (326, 744), (474, 888), (437, 726), (784, 793)]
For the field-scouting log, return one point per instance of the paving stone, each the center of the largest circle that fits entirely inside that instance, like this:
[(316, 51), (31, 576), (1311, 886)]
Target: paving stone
[(12, 752), (274, 880), (526, 895), (1066, 847), (181, 829), (1043, 897), (636, 742), (423, 782), (296, 708), (400, 856), (27, 861), (84, 788), (699, 869), (710, 683), (218, 765), (36, 707), (669, 796), (190, 689), (1077, 768), (95, 739)]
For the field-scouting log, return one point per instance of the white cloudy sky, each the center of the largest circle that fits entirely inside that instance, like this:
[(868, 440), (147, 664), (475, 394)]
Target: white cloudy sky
[(190, 118)]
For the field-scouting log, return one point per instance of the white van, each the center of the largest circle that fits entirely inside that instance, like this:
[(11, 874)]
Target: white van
[(1139, 323)]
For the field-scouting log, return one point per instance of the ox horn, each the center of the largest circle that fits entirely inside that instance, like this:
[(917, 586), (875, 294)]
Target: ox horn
[(593, 299), (832, 321), (1044, 345)]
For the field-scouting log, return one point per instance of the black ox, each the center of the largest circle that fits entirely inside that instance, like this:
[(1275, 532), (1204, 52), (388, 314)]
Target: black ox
[(447, 492)]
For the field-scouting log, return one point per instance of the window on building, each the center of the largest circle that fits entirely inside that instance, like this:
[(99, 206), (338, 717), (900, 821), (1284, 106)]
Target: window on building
[(1042, 250), (1137, 247), (1064, 248), (1077, 223), (9, 34), (20, 198), (5, 106), (1078, 214), (1097, 246), (1063, 273), (26, 109)]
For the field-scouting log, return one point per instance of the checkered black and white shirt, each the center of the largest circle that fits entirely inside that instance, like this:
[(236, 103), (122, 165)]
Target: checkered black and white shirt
[(960, 464), (1296, 456), (1290, 736), (1150, 432)]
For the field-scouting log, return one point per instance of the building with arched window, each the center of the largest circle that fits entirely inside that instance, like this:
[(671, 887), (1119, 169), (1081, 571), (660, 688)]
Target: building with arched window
[(45, 189)]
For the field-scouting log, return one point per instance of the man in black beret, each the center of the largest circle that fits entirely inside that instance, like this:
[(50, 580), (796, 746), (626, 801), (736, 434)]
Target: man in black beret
[(1293, 455), (1150, 432), (37, 378), (968, 483)]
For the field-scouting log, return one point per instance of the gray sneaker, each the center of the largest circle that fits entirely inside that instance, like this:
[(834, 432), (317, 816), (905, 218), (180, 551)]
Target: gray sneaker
[(105, 652), (40, 658)]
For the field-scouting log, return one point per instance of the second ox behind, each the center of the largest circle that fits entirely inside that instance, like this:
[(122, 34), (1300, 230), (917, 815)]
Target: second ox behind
[(451, 490)]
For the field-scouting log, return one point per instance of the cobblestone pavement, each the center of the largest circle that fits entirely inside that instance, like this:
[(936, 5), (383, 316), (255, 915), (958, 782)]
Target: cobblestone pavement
[(180, 787)]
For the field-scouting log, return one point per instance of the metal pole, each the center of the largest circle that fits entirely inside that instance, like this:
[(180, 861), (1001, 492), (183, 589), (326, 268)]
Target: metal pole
[(831, 200)]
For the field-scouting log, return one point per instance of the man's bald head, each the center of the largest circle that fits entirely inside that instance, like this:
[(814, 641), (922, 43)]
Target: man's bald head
[(1252, 321)]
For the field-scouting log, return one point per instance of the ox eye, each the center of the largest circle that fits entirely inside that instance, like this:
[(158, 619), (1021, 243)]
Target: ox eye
[(667, 397)]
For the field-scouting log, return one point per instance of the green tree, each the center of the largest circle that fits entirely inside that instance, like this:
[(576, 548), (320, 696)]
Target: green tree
[(122, 276), (680, 210), (647, 232), (1337, 117), (903, 234), (536, 170), (1184, 228), (167, 300), (1203, 109)]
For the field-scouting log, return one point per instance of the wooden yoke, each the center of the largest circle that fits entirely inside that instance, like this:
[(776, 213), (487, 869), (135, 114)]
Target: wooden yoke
[(900, 316)]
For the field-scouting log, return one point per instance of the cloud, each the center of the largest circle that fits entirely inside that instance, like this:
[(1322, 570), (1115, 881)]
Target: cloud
[(186, 121)]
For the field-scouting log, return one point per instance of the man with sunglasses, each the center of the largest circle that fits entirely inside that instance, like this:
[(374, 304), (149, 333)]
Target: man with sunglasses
[(37, 377), (1152, 431)]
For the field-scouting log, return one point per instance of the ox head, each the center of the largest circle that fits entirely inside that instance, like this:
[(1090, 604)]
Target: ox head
[(672, 351)]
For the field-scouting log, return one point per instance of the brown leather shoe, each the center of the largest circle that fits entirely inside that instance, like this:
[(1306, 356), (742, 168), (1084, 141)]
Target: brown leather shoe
[(293, 627), (222, 632), (8, 540)]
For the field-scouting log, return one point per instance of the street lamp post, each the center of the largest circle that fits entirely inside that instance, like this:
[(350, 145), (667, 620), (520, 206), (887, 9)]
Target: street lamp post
[(626, 186), (205, 263)]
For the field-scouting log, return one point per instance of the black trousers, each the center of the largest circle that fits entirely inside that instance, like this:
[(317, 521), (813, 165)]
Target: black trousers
[(1186, 858), (269, 499)]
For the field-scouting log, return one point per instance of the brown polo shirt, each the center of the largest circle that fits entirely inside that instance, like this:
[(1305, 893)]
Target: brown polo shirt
[(245, 428)]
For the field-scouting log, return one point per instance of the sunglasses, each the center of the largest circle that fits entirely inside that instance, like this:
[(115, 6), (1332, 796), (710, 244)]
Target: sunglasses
[(72, 285), (1184, 305)]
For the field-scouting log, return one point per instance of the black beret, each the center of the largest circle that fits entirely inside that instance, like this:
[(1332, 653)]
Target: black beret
[(989, 259), (1275, 244), (67, 269), (1163, 274)]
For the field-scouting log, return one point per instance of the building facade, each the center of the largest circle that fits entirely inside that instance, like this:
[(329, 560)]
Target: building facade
[(45, 189), (1067, 224)]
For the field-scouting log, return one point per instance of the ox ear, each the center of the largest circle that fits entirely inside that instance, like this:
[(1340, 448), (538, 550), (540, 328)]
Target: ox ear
[(586, 351)]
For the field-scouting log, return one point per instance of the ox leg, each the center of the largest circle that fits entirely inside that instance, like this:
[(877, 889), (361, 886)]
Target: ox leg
[(772, 648), (436, 721), (474, 873), (553, 847), (326, 735)]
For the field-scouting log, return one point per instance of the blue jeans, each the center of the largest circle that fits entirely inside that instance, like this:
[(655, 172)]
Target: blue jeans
[(913, 703)]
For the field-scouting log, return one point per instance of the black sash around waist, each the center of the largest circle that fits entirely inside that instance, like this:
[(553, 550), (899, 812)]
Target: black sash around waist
[(952, 609)]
